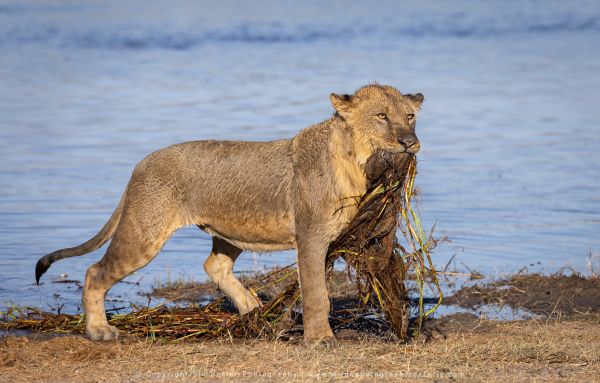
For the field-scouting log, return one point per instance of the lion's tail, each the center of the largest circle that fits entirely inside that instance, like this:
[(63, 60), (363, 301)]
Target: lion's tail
[(94, 243)]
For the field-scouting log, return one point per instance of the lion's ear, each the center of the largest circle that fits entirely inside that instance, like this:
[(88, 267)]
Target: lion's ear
[(417, 99), (342, 103)]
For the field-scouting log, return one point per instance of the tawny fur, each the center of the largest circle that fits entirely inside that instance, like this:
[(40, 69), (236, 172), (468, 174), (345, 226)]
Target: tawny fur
[(260, 196)]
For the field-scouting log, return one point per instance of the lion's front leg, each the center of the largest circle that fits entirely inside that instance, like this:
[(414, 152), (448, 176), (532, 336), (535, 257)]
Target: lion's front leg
[(312, 250)]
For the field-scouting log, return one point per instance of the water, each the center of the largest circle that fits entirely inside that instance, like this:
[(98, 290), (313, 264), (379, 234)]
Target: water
[(509, 128)]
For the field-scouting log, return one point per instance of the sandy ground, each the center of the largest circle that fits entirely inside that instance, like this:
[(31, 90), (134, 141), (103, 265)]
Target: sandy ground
[(458, 350), (561, 344)]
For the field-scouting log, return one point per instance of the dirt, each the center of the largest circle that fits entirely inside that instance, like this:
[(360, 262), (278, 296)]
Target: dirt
[(540, 294), (185, 291), (561, 344), (347, 318), (559, 295), (546, 296), (339, 286), (486, 351), (543, 295)]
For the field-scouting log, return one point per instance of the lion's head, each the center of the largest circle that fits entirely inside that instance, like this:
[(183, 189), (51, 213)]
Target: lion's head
[(382, 116)]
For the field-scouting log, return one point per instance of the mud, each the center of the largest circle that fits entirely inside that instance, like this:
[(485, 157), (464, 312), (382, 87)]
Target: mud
[(340, 286), (544, 295)]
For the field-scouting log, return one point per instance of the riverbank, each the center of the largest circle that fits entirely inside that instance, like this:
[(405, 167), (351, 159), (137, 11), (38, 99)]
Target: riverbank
[(472, 349), (559, 342)]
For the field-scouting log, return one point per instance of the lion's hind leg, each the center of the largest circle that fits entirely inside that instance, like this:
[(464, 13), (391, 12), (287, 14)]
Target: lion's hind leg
[(219, 267), (133, 246)]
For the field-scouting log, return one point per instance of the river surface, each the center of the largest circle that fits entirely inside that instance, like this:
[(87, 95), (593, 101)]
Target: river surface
[(510, 128)]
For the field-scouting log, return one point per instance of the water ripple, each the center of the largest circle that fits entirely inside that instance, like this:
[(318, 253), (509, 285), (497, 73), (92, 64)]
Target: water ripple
[(276, 33)]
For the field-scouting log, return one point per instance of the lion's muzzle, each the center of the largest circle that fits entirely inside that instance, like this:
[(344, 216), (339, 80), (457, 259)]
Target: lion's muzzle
[(410, 142)]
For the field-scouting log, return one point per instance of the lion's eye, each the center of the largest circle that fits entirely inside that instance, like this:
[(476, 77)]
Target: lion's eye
[(410, 117), (381, 116)]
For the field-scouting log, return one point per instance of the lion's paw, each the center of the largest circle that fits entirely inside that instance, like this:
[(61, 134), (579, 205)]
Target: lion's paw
[(324, 342), (102, 332)]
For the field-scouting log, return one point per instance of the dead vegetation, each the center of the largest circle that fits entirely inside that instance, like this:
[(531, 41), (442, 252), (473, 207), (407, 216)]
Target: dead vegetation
[(474, 351)]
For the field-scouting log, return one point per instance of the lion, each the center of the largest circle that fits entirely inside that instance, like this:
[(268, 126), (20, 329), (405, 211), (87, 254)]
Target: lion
[(258, 196)]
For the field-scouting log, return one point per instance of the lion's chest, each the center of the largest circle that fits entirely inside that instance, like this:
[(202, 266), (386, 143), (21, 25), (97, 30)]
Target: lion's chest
[(349, 185)]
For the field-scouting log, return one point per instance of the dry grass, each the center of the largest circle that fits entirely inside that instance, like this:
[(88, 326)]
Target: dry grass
[(482, 351)]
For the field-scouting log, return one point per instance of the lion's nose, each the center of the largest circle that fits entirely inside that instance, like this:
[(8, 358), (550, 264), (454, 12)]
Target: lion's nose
[(410, 142)]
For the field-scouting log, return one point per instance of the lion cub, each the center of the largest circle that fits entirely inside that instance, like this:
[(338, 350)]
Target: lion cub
[(260, 196)]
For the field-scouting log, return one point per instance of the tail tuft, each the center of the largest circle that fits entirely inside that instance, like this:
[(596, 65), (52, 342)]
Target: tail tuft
[(94, 243), (41, 267)]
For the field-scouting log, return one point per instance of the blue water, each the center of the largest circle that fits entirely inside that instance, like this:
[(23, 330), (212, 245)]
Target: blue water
[(510, 128)]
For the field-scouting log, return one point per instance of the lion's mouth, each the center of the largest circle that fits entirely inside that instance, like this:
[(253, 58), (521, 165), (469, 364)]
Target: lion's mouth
[(396, 150), (413, 148)]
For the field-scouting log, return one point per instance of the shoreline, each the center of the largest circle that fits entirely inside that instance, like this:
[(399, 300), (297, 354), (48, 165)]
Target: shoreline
[(560, 342)]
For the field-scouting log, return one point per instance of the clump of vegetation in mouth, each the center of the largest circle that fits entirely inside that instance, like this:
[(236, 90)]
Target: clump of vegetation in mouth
[(378, 263), (370, 245)]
